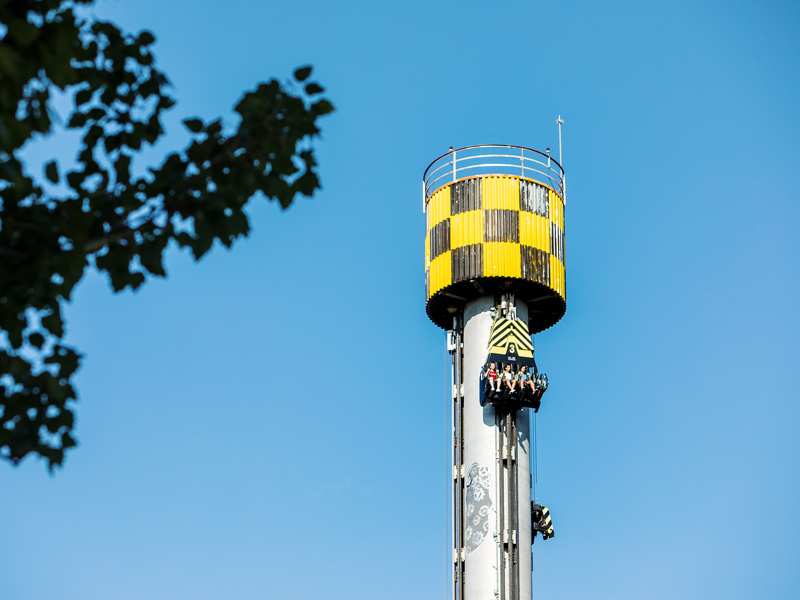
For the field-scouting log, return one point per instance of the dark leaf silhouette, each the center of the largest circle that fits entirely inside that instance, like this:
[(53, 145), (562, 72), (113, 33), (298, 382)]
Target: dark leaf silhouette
[(102, 215)]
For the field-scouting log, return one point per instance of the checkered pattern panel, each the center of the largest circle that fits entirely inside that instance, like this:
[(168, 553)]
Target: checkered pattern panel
[(494, 226)]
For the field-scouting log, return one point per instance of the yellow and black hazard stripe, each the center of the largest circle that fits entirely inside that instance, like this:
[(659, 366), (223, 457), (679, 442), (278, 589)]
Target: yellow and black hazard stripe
[(510, 338), (542, 523), (495, 227), (546, 524)]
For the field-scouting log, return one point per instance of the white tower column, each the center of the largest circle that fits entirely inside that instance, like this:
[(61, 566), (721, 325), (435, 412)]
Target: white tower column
[(484, 466)]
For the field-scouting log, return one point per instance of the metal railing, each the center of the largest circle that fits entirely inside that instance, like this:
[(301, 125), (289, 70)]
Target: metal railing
[(492, 159)]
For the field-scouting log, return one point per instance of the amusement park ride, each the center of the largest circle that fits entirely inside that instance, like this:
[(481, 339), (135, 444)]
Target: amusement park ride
[(494, 266)]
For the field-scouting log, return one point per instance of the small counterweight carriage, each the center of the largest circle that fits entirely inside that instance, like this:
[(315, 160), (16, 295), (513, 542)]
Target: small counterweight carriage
[(541, 521)]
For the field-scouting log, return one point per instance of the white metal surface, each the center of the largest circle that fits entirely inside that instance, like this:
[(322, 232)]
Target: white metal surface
[(483, 580), (524, 498), (474, 161)]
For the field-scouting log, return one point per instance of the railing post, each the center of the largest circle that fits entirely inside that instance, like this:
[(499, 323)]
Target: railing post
[(522, 161), (454, 163)]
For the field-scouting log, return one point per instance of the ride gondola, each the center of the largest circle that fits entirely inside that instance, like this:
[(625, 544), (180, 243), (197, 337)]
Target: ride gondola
[(510, 344)]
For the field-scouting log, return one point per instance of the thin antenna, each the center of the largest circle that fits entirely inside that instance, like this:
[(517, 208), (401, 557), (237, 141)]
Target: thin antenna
[(560, 122)]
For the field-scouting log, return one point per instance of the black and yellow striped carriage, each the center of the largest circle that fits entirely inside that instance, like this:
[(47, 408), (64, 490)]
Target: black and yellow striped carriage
[(511, 351)]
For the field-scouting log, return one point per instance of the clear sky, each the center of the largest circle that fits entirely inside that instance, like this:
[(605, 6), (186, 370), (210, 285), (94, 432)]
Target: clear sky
[(271, 422)]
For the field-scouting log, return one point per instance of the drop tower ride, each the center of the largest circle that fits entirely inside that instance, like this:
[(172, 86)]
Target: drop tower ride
[(494, 275)]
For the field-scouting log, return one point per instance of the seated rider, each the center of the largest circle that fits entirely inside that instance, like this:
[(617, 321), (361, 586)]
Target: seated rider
[(508, 378), (491, 375), (524, 378)]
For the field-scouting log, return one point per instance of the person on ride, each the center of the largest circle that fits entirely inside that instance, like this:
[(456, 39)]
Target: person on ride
[(508, 378), (525, 379), (491, 375)]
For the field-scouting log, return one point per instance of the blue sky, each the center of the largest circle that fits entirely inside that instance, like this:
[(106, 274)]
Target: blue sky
[(233, 447)]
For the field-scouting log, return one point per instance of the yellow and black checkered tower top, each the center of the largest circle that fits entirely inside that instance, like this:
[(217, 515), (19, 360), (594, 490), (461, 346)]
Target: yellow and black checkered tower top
[(495, 224)]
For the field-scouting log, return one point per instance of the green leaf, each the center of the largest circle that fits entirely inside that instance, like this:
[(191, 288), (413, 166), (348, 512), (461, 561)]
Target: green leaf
[(77, 120), (36, 339), (53, 323), (323, 107), (83, 96), (67, 441), (302, 73), (146, 38), (21, 31), (193, 125), (51, 171), (314, 88), (150, 256)]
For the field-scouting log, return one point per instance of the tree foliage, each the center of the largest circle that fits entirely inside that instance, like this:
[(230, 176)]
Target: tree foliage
[(98, 211)]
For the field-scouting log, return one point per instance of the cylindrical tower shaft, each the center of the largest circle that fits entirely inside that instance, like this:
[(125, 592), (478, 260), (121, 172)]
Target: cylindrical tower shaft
[(496, 463)]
